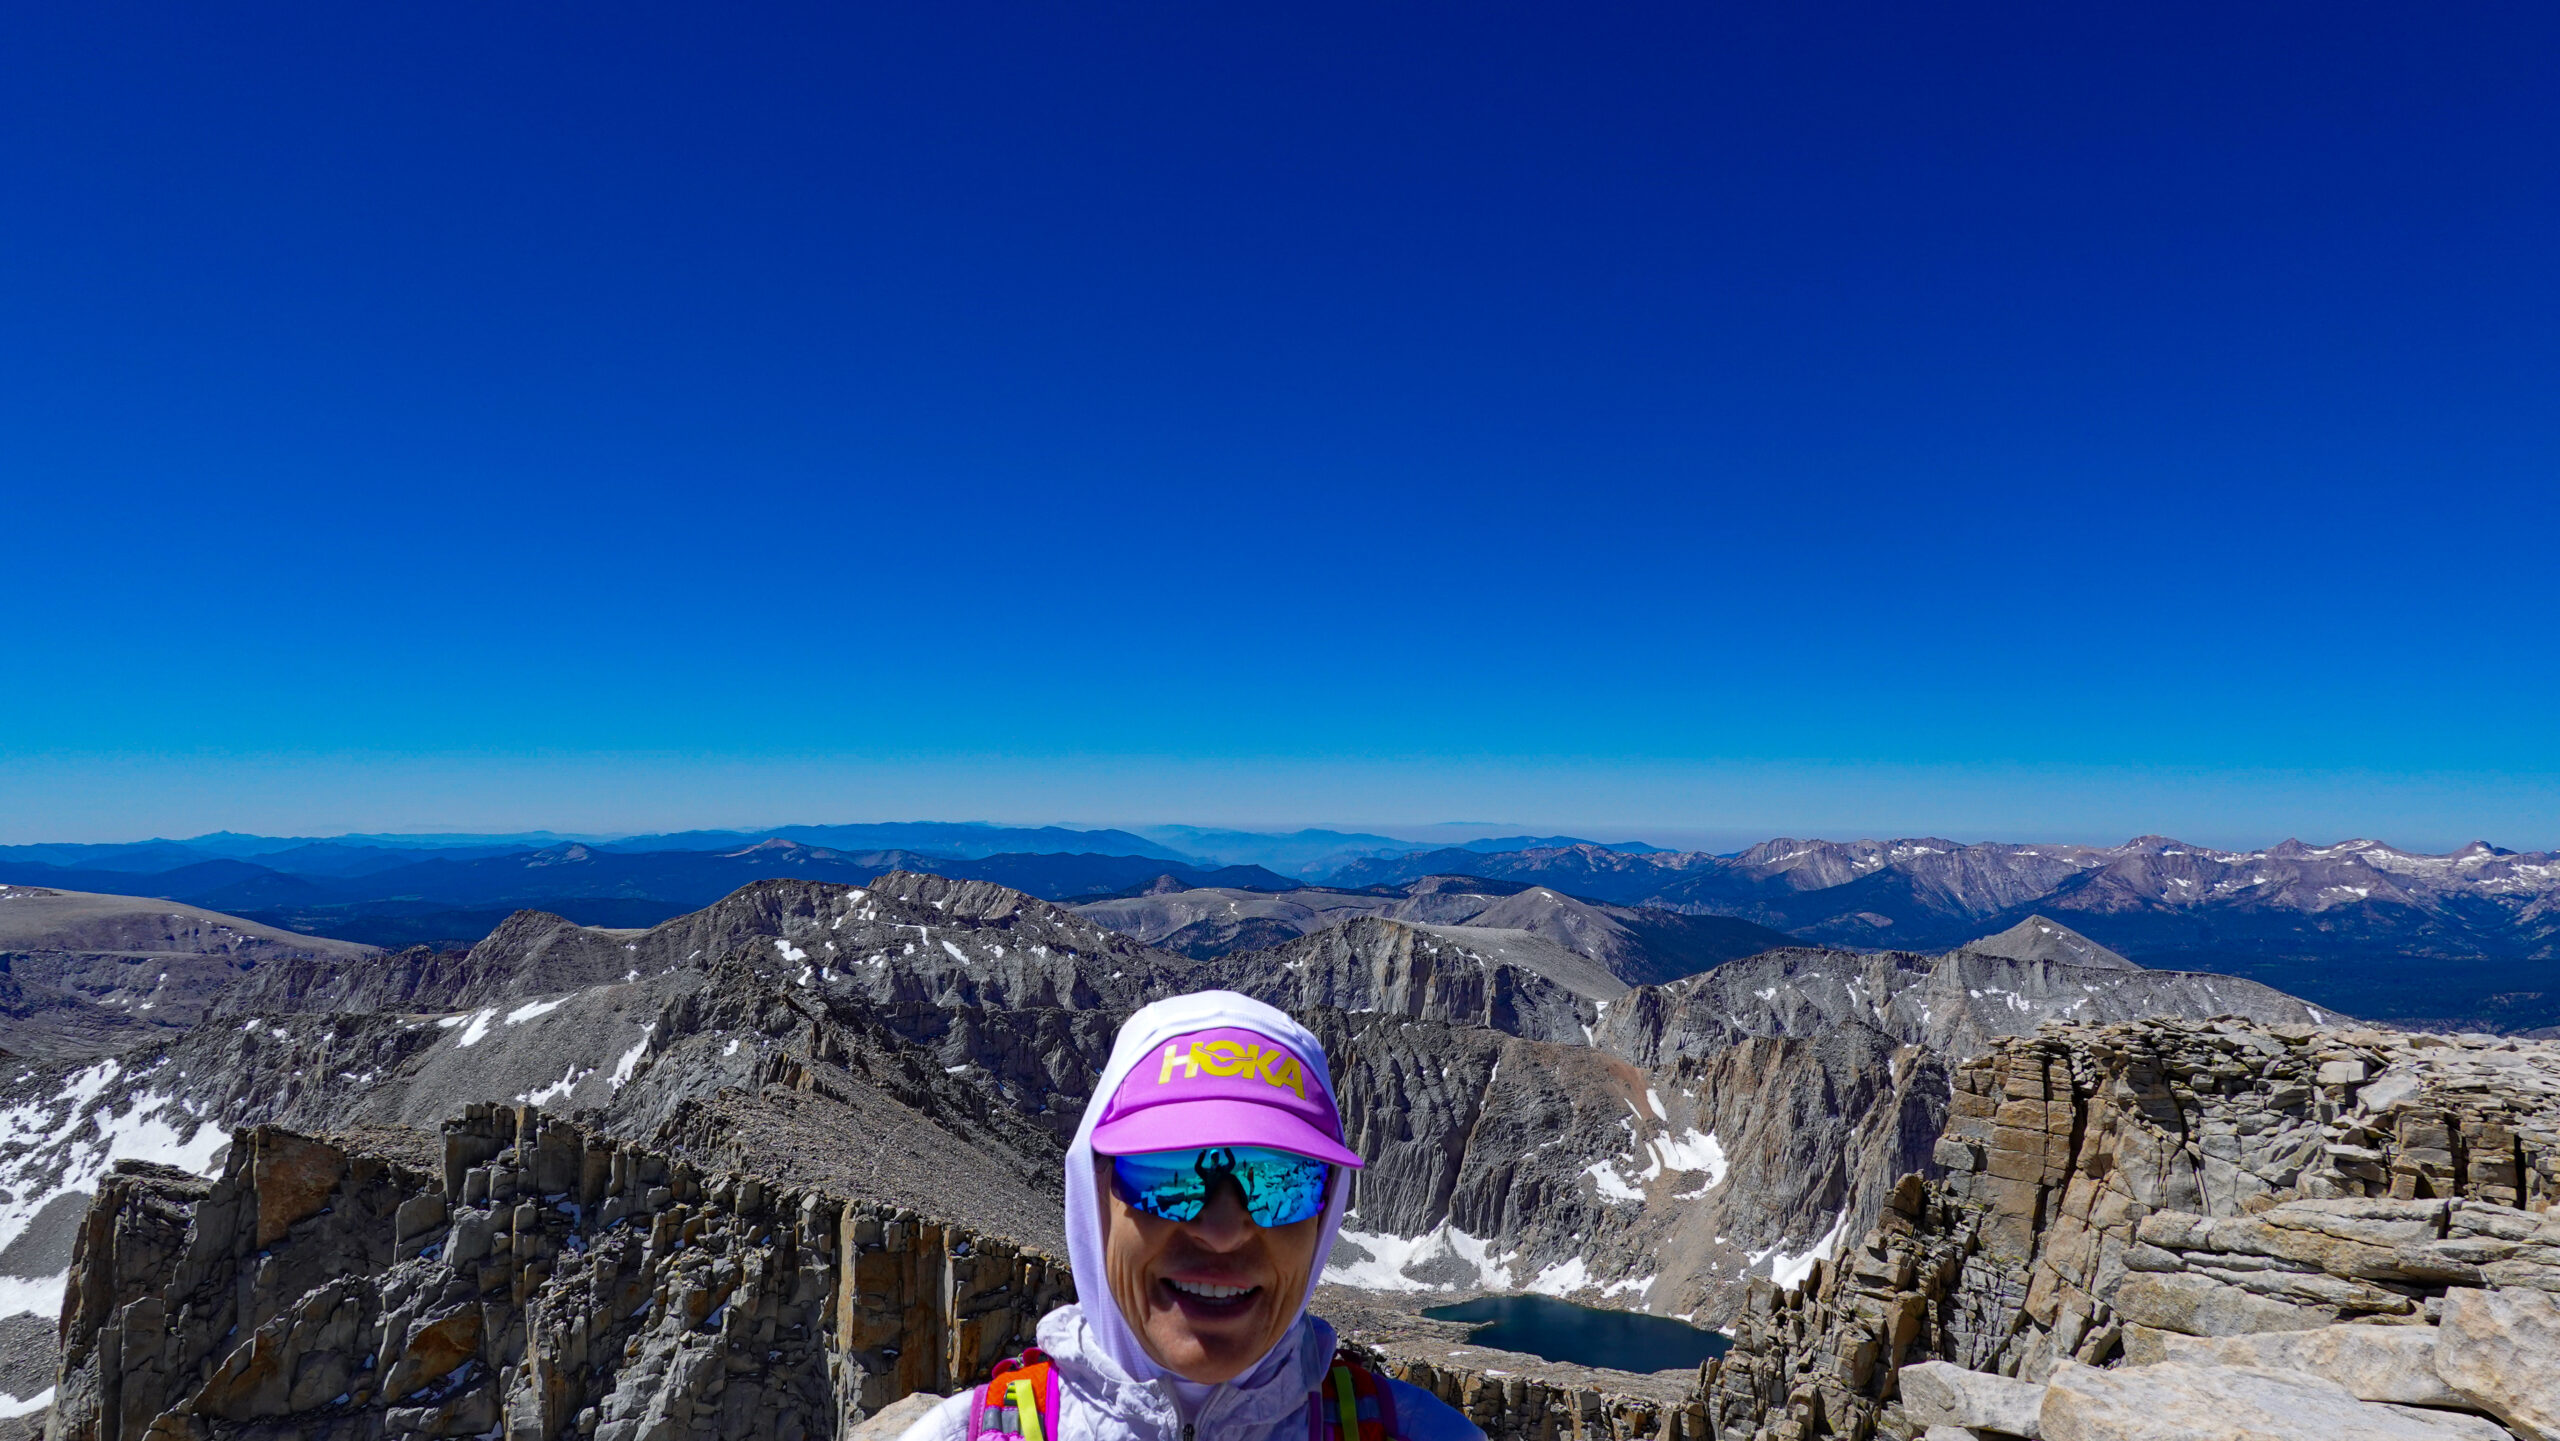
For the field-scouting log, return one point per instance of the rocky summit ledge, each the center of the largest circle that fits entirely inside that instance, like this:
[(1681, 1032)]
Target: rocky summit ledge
[(543, 1283), (549, 1283), (2194, 1230)]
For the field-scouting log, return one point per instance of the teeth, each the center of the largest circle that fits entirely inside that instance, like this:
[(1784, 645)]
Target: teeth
[(1207, 1291)]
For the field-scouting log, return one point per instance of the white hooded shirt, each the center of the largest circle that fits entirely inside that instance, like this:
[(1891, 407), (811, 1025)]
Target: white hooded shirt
[(1109, 1389)]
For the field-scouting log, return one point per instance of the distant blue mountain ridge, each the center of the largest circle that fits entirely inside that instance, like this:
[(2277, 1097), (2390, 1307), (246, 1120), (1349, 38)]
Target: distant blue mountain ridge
[(1497, 845), (332, 855), (2465, 937), (1309, 854)]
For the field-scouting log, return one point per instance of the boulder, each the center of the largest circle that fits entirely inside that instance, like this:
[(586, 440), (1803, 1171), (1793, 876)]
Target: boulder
[(2501, 1351), (2202, 1306), (2182, 1401), (2374, 1363), (1938, 1393), (891, 1421)]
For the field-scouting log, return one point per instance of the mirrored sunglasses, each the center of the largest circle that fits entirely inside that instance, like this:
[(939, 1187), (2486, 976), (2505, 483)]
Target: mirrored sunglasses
[(1280, 1188)]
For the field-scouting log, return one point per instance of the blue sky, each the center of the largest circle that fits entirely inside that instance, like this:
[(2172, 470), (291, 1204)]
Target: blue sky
[(1981, 420)]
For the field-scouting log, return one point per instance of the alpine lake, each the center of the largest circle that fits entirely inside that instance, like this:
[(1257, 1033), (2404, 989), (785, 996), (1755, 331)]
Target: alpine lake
[(1554, 1330)]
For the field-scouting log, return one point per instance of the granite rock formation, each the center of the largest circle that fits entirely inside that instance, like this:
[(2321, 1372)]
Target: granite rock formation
[(545, 1282), (2192, 1207)]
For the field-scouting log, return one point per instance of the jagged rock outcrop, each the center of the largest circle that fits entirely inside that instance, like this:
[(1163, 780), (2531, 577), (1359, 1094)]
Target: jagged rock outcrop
[(964, 943), (2213, 1196), (552, 1283), (1956, 1004), (1532, 988), (548, 1283)]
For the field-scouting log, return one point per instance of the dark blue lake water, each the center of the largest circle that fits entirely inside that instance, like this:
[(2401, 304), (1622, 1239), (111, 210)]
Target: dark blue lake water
[(1584, 1335)]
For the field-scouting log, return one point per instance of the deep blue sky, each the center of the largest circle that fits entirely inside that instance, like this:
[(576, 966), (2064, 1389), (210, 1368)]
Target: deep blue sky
[(2029, 420)]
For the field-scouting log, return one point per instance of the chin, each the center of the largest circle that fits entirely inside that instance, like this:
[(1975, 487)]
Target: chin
[(1210, 1341)]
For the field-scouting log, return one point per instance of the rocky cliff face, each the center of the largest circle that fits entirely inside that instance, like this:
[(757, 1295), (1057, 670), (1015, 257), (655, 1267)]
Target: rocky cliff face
[(1533, 988), (544, 1282), (85, 975), (548, 1283), (2162, 1198), (1636, 946)]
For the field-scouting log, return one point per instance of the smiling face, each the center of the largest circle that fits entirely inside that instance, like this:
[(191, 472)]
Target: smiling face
[(1209, 1297)]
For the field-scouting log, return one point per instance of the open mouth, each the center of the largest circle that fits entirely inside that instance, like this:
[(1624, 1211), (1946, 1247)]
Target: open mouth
[(1209, 1298)]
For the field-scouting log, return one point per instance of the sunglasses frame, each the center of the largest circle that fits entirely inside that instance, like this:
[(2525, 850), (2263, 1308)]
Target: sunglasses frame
[(1240, 1160)]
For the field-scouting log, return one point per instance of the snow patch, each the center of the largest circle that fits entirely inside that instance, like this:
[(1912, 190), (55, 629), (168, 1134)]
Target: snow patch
[(531, 1009), (1693, 1153), (12, 1406), (630, 1061), (568, 1082), (1613, 1186), (1561, 1279), (1390, 1257), (39, 1294), (1789, 1271)]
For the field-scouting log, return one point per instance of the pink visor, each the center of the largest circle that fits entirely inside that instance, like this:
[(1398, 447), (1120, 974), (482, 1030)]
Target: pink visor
[(1223, 1087)]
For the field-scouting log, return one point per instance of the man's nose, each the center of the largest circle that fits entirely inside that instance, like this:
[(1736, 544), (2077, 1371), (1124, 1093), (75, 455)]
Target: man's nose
[(1223, 1224)]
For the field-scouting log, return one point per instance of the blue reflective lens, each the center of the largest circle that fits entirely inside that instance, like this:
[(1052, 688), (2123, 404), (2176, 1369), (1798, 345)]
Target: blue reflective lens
[(1280, 1188)]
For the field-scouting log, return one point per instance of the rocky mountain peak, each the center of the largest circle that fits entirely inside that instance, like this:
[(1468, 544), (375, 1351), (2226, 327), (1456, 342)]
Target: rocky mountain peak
[(2039, 939)]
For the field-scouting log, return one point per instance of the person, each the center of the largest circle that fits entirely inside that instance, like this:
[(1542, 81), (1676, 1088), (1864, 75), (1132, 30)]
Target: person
[(1205, 1187)]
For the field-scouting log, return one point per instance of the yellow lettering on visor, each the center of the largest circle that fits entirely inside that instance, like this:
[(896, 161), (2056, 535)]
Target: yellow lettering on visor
[(1274, 1066)]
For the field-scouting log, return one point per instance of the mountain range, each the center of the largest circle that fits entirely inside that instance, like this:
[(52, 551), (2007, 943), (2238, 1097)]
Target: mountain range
[(2467, 937), (1551, 1098), (456, 897), (2340, 924)]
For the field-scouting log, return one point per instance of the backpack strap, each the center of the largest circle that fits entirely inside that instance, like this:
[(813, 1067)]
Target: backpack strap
[(1019, 1399)]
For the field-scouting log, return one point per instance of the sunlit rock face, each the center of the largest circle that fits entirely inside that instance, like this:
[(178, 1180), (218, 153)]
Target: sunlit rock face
[(2191, 1206)]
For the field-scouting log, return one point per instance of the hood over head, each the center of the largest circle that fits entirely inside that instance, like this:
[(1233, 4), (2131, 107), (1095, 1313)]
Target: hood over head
[(1240, 1097)]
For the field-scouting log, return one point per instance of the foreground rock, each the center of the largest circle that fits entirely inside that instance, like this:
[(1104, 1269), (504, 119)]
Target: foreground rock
[(2501, 1352), (2374, 1363), (552, 1282), (2175, 1401), (1935, 1393), (2204, 1210)]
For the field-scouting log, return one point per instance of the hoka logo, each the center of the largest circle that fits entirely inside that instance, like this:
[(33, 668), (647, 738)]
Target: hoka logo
[(1273, 1065)]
